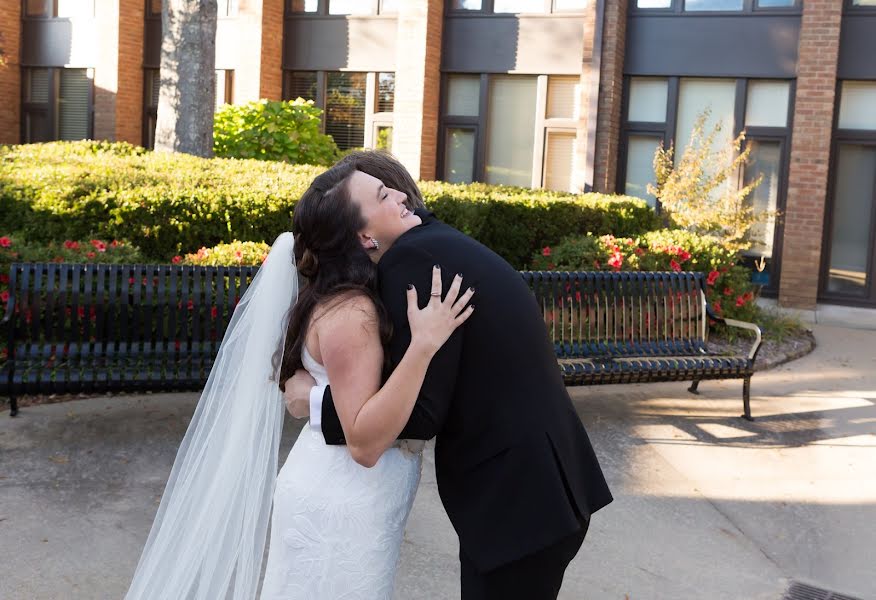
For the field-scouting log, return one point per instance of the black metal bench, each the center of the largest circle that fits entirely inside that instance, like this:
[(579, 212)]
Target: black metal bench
[(636, 327), (74, 328)]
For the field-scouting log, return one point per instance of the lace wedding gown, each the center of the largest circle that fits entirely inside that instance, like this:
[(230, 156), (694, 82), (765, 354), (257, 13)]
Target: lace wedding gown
[(337, 526)]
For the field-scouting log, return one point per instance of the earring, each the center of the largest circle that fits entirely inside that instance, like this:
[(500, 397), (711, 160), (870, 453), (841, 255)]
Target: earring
[(375, 244)]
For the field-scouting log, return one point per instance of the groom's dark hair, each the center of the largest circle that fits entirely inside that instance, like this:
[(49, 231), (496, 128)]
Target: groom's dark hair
[(387, 168)]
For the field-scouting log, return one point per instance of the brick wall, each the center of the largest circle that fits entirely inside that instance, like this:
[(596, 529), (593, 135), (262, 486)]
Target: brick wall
[(10, 72), (271, 73), (608, 117), (810, 152), (417, 86), (129, 98)]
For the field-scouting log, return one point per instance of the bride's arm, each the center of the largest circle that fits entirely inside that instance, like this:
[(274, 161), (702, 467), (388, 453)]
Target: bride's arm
[(349, 344)]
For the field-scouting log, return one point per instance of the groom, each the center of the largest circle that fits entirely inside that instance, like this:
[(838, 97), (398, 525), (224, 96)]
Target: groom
[(515, 469)]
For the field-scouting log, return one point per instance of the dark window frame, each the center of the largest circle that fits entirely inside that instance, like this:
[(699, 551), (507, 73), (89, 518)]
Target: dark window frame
[(749, 7), (478, 124), (846, 136), (322, 11), (51, 107), (150, 112), (849, 8), (487, 9)]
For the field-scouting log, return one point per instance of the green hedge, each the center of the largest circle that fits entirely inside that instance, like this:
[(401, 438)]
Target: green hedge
[(172, 204)]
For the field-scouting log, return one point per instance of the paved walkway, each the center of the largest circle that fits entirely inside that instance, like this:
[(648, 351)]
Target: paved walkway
[(707, 505)]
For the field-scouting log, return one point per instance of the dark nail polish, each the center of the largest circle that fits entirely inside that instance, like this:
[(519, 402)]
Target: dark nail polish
[(471, 289), (459, 275), (437, 267), (410, 286)]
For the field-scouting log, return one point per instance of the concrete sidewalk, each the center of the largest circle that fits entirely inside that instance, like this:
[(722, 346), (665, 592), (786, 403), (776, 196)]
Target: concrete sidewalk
[(707, 506)]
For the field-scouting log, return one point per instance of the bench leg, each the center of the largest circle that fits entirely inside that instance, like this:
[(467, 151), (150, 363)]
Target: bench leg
[(13, 406), (746, 399), (693, 386)]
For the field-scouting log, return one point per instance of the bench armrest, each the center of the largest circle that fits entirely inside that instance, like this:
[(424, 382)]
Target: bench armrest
[(758, 340)]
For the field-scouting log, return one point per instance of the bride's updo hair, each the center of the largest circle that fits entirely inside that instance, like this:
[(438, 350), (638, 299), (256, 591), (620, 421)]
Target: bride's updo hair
[(326, 224)]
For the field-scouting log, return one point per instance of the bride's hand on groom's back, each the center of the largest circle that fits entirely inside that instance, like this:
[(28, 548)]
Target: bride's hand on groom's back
[(433, 324), (297, 394)]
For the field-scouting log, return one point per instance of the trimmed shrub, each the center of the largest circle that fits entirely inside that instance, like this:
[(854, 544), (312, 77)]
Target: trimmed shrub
[(235, 253), (272, 130), (728, 285), (172, 204)]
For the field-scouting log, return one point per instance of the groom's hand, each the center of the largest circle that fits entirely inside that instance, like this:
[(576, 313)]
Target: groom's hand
[(297, 394)]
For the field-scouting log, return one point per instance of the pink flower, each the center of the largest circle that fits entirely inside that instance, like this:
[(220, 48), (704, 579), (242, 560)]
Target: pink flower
[(728, 291), (5, 242), (239, 255), (683, 255), (713, 276), (90, 254), (4, 296), (639, 251), (70, 245), (546, 251), (115, 244), (716, 306), (740, 300), (616, 260), (191, 305), (176, 260), (214, 312), (675, 266)]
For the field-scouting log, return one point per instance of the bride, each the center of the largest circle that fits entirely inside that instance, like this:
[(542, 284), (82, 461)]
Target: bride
[(338, 511)]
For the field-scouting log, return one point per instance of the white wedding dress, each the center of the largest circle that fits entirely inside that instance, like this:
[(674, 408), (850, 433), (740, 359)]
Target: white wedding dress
[(337, 526)]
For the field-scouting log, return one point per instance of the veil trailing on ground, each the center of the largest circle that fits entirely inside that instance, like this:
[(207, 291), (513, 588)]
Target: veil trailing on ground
[(208, 538)]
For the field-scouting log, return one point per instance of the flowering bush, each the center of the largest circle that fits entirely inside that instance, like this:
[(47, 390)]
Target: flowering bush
[(728, 285), (235, 253)]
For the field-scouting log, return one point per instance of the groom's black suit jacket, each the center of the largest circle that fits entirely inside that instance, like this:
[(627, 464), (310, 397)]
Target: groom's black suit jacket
[(515, 468)]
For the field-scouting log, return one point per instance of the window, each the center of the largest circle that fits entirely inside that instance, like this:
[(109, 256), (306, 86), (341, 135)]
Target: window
[(151, 89), (863, 2), (765, 159), (518, 6), (62, 9), (459, 155), (227, 8), (713, 5), (559, 160), (466, 4), (570, 5), (224, 87), (304, 6), (648, 97), (57, 104), (463, 97), (388, 6), (349, 7), (345, 109), (767, 104), (858, 105), (300, 84), (718, 96), (510, 130), (776, 3), (560, 135), (385, 92), (654, 3), (640, 169)]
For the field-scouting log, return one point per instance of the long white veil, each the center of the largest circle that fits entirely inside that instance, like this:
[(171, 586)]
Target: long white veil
[(208, 538)]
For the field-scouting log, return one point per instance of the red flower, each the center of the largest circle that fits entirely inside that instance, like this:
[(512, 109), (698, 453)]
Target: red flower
[(578, 296), (728, 291), (713, 276), (740, 300), (546, 251), (214, 312), (639, 252), (616, 261), (80, 312), (4, 278), (683, 255), (551, 266), (115, 244), (716, 306), (176, 260), (191, 305), (675, 266), (723, 269), (5, 242), (101, 247), (4, 296), (90, 254), (239, 255), (71, 245)]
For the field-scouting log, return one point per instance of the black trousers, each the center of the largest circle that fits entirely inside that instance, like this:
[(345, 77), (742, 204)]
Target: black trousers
[(538, 576)]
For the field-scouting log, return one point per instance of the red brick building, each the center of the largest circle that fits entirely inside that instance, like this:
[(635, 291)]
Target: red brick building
[(563, 94)]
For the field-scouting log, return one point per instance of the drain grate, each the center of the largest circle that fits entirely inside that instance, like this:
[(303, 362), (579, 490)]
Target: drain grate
[(801, 591)]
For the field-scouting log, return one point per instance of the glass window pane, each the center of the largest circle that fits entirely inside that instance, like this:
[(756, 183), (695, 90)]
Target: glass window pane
[(559, 160), (863, 2), (75, 8), (767, 104), (467, 4), (73, 111), (459, 155), (648, 100), (385, 92), (153, 87), (223, 87), (388, 6), (510, 130), (518, 6), (697, 95), (349, 7), (713, 4), (852, 210), (563, 5), (383, 139), (774, 3), (858, 105), (304, 6), (463, 95), (345, 109), (654, 3), (38, 88), (640, 166), (562, 100), (301, 84), (765, 159)]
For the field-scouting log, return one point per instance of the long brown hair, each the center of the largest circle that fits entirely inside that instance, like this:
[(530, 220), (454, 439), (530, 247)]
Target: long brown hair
[(326, 225)]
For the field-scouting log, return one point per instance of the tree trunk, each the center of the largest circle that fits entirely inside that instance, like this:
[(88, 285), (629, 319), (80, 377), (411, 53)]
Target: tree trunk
[(188, 78)]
